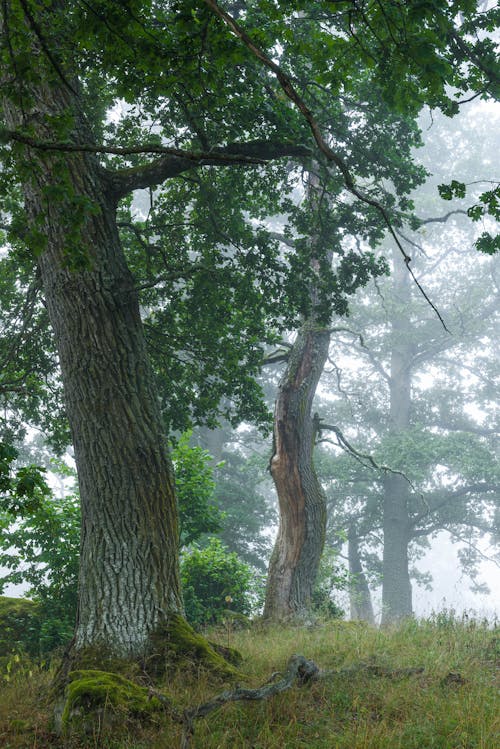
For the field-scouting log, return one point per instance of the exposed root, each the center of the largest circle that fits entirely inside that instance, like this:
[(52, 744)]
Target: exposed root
[(298, 671)]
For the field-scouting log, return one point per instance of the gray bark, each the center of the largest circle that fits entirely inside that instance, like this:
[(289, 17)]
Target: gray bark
[(396, 585), (360, 602), (129, 577)]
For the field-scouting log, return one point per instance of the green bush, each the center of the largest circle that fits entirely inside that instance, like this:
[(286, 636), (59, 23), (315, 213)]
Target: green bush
[(215, 580), (20, 624)]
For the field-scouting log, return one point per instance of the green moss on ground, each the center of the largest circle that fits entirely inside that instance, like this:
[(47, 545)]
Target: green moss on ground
[(91, 691)]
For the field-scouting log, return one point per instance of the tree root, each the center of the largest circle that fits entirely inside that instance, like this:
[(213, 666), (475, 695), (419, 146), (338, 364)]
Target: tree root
[(299, 670)]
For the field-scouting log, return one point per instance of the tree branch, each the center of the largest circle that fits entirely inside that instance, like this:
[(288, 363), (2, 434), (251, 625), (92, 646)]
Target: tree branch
[(479, 487), (253, 153), (360, 457), (472, 546), (441, 219), (174, 161), (290, 91)]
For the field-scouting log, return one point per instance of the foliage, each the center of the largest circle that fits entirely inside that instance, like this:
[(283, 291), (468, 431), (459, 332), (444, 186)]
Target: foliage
[(22, 491), (214, 580), (248, 513), (488, 206), (20, 623), (40, 540), (446, 449), (214, 284), (41, 548), (331, 580), (195, 491), (175, 76)]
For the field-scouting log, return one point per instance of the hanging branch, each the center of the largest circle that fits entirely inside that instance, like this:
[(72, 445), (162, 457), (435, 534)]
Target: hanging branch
[(290, 91)]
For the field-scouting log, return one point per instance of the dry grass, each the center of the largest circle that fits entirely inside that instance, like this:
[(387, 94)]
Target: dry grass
[(453, 704)]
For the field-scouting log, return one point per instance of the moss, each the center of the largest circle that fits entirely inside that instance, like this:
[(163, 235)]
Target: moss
[(100, 657), (90, 691), (230, 654), (19, 625), (177, 641)]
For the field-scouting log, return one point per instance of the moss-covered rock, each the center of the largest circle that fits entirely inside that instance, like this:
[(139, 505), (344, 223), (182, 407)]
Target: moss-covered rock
[(177, 643), (110, 697), (19, 625)]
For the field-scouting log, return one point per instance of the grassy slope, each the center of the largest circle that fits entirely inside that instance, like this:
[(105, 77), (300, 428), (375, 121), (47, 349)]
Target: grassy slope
[(453, 704)]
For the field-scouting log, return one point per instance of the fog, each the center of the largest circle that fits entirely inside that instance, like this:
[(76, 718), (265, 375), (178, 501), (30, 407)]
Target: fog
[(464, 148)]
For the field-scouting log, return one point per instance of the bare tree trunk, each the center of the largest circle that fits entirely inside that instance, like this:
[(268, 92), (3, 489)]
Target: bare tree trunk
[(302, 504), (129, 578), (396, 585), (360, 602)]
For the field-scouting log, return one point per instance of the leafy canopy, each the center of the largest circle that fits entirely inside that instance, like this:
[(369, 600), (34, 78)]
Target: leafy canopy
[(187, 97)]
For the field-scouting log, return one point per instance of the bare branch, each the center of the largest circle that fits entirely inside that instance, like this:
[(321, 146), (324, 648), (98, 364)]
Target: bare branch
[(348, 448), (298, 670), (441, 219)]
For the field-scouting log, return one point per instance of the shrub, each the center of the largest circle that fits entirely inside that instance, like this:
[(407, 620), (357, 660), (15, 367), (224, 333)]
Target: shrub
[(20, 624), (215, 580)]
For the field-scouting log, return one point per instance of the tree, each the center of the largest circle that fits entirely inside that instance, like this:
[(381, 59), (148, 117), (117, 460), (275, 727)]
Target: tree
[(420, 422), (331, 230), (40, 540), (179, 71)]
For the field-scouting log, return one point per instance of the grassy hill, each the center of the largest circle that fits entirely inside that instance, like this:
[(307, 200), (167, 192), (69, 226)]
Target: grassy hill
[(431, 684)]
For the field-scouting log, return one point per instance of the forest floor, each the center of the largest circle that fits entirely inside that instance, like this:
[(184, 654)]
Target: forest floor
[(430, 684)]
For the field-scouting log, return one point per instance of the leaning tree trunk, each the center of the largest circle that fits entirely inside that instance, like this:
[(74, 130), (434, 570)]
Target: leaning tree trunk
[(360, 602), (129, 578), (302, 504), (396, 585)]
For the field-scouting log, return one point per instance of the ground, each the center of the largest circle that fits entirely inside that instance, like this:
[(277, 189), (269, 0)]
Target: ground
[(449, 702)]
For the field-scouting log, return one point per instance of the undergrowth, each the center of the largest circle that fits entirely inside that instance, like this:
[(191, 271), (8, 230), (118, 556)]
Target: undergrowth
[(453, 703)]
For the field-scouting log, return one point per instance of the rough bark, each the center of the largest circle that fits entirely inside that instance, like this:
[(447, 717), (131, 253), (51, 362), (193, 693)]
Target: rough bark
[(129, 579), (302, 504), (396, 585), (360, 602)]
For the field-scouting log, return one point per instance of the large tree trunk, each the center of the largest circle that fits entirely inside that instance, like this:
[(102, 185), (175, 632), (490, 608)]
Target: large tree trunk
[(129, 579), (302, 503), (360, 602), (396, 585)]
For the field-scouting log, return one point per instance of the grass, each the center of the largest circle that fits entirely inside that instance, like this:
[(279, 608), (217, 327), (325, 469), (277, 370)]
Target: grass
[(452, 704)]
